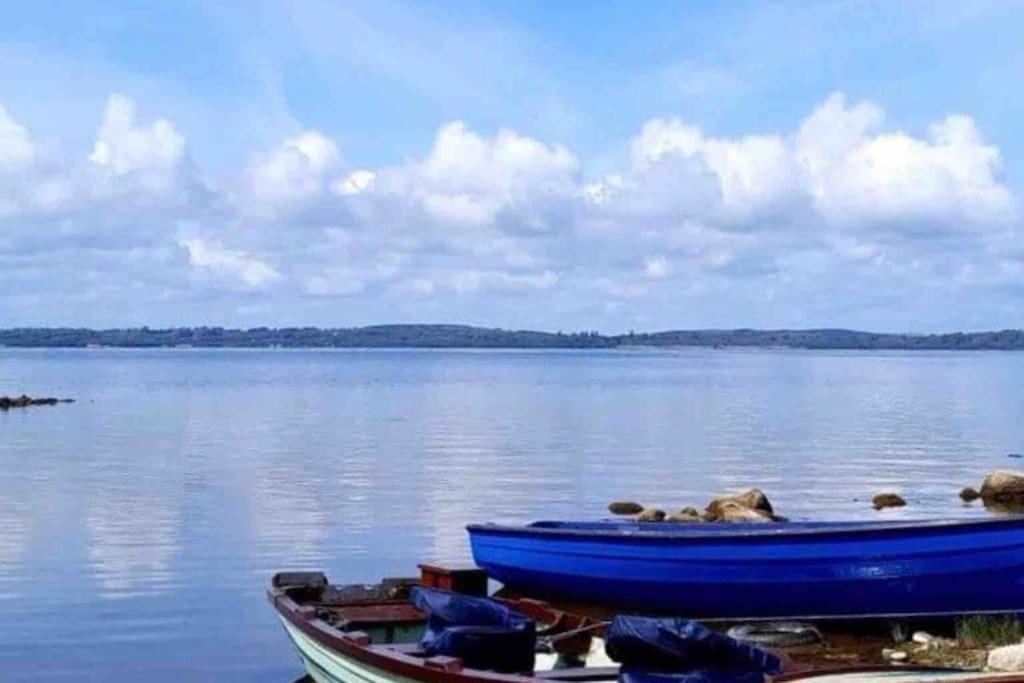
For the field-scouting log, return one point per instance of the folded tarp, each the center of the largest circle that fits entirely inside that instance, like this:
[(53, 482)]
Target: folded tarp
[(482, 633), (680, 651)]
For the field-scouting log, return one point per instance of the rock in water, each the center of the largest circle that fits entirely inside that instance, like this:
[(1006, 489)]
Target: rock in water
[(1007, 658), (625, 507), (686, 516), (731, 511), (888, 500), (751, 498), (8, 402), (1003, 486), (967, 494), (651, 515)]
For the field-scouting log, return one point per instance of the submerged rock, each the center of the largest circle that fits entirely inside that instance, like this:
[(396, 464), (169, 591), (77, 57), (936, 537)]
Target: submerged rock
[(625, 507), (8, 402), (967, 494), (687, 515), (887, 500), (651, 515), (1003, 487)]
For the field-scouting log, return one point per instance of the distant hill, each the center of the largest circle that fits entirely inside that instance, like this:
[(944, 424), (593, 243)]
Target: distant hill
[(464, 336)]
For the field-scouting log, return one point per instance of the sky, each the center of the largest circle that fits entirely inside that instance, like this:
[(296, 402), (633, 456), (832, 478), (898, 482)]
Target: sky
[(561, 166)]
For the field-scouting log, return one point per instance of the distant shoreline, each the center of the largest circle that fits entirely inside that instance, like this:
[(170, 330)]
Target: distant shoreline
[(468, 337)]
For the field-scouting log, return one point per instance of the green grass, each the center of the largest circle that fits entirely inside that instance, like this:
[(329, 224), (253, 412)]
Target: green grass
[(988, 630)]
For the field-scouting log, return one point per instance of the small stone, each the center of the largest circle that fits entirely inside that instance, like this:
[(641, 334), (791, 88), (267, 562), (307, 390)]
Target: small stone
[(651, 515), (687, 515), (922, 637), (887, 500), (1007, 658), (897, 656), (625, 507), (967, 494)]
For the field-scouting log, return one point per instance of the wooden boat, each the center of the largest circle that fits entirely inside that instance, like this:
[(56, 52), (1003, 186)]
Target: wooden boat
[(371, 634), (745, 571)]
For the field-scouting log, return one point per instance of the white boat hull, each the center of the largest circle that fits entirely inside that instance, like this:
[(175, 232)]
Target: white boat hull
[(328, 666)]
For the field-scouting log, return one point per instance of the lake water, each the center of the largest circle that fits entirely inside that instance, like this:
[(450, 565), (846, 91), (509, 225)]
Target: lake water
[(139, 526)]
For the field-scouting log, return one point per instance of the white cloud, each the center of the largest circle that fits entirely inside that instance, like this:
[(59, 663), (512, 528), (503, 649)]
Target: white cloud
[(470, 181), (292, 173), (123, 147), (16, 147), (857, 175), (354, 183), (231, 263), (483, 222), (841, 162), (656, 268), (477, 280), (752, 172)]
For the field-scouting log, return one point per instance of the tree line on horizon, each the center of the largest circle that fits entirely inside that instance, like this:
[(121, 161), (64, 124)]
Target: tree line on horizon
[(464, 336)]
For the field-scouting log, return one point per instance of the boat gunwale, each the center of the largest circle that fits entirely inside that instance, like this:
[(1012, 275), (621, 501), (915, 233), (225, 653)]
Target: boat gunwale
[(767, 531)]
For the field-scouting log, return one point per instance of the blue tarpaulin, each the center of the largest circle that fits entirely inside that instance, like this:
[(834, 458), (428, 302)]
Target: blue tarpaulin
[(680, 651), (482, 633)]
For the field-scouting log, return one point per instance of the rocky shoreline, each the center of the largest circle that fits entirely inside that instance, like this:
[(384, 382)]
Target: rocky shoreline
[(1001, 491), (8, 402)]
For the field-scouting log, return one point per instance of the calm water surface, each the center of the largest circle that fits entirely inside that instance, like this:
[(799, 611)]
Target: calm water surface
[(139, 526)]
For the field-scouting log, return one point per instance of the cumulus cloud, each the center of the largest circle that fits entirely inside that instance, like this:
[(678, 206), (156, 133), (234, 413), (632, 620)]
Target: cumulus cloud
[(859, 175), (292, 173), (16, 147), (840, 203), (468, 181), (125, 147), (229, 263)]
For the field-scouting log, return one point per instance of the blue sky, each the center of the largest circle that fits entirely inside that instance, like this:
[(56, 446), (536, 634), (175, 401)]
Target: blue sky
[(557, 165)]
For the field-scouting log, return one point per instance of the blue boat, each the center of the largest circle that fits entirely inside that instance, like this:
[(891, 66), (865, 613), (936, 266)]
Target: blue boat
[(767, 570)]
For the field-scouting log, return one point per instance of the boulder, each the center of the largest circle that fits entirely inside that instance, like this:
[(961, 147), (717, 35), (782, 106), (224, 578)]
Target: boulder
[(731, 511), (967, 494), (686, 516), (1003, 486), (651, 515), (887, 500), (1007, 658), (625, 507), (751, 498)]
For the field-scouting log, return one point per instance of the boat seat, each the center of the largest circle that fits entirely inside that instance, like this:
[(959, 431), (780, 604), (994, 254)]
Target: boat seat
[(596, 673)]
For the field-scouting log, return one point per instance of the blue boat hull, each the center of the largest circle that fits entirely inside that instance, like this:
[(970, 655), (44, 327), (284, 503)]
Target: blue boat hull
[(765, 570)]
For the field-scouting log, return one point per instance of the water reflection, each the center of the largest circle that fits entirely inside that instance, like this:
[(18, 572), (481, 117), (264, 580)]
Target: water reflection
[(133, 540)]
